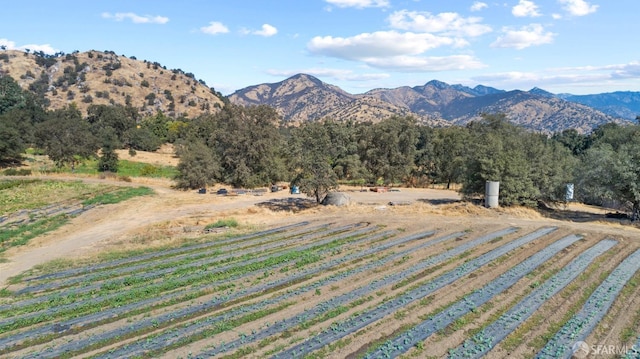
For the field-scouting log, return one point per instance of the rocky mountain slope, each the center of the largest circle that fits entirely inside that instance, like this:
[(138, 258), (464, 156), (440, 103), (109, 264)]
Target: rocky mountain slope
[(304, 97), (625, 104), (97, 77), (103, 77)]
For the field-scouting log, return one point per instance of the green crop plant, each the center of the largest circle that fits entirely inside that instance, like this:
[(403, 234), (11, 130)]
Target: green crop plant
[(630, 331), (496, 240), (221, 327), (12, 237), (126, 169), (118, 196), (222, 223), (29, 194)]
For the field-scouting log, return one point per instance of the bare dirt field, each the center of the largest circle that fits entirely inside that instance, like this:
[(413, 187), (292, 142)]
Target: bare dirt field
[(343, 282)]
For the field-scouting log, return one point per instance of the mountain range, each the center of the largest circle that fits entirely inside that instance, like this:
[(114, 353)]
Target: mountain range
[(303, 97), (103, 77)]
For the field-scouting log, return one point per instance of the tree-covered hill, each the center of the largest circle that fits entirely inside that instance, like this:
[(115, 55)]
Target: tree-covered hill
[(105, 78)]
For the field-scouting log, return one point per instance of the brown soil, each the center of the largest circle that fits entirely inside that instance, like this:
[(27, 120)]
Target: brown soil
[(111, 226), (169, 216)]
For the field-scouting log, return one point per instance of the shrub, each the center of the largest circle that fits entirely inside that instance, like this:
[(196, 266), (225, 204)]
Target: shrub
[(148, 170), (17, 172), (221, 223)]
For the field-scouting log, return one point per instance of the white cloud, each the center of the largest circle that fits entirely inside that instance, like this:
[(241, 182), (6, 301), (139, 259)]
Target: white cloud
[(46, 48), (477, 6), (266, 31), (526, 36), (578, 7), (594, 79), (426, 64), (378, 44), (447, 23), (338, 74), (359, 4), (215, 28), (626, 71), (525, 8), (136, 19), (10, 45)]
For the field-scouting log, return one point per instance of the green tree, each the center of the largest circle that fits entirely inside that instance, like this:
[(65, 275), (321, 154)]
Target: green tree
[(611, 167), (311, 162), (528, 166), (107, 119), (198, 166), (141, 138), (450, 147), (11, 95), (65, 136), (11, 141), (20, 111), (343, 151), (388, 148), (108, 161), (249, 145), (573, 140), (158, 125)]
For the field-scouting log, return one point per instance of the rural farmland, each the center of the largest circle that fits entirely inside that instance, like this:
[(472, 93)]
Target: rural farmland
[(419, 280)]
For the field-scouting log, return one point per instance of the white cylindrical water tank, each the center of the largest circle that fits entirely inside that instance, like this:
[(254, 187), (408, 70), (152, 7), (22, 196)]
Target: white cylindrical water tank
[(569, 194), (492, 189)]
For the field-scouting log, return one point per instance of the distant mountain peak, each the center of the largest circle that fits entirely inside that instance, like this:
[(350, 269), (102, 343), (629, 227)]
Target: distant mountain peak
[(438, 84), (305, 77), (540, 92), (481, 90), (303, 97)]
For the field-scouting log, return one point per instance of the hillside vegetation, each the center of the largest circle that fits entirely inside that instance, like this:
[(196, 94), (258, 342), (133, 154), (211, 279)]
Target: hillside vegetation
[(254, 146), (105, 78)]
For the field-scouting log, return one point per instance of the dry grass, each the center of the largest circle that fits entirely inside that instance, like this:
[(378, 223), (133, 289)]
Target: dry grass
[(124, 81), (164, 156)]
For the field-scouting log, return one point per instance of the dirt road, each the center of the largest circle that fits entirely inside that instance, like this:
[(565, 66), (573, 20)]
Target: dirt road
[(110, 224)]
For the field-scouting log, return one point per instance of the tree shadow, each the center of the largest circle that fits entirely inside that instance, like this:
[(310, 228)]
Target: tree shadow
[(439, 201), (564, 214), (290, 204)]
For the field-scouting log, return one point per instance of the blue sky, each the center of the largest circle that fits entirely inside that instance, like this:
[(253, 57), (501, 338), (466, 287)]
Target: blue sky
[(563, 46)]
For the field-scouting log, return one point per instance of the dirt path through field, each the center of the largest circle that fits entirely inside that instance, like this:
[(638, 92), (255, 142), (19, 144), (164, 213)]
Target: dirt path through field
[(106, 225), (112, 222)]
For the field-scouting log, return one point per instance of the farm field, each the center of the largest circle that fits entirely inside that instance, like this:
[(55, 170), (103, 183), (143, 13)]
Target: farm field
[(405, 273), (364, 281)]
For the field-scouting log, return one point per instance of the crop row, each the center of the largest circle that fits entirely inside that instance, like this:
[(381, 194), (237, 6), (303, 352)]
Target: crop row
[(191, 311), (583, 322), (491, 335), (341, 329), (403, 342), (120, 308), (173, 278), (75, 304), (163, 265), (249, 283), (193, 329), (83, 270), (310, 315), (220, 301), (634, 352)]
